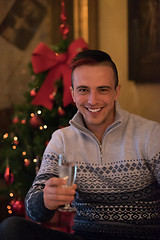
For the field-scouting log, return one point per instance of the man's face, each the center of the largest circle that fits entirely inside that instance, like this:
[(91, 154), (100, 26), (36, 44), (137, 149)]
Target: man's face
[(94, 94)]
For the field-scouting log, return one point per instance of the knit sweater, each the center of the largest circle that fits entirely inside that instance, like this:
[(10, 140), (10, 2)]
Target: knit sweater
[(118, 180)]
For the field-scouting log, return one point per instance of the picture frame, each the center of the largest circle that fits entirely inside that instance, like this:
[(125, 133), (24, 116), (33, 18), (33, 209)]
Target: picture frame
[(144, 40), (22, 22)]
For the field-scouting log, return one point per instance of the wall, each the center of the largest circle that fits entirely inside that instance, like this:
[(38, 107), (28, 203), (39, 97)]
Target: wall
[(141, 99)]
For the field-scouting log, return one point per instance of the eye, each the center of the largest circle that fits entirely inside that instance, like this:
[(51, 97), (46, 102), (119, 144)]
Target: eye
[(103, 90), (82, 90)]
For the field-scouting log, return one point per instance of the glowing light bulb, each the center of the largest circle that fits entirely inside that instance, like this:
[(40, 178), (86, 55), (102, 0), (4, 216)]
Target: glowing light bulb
[(45, 126), (11, 194), (10, 211), (5, 136), (39, 112), (32, 114), (24, 153)]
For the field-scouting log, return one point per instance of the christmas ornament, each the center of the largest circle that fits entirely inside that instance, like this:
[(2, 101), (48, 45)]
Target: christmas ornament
[(16, 142), (61, 112), (33, 93), (64, 28), (18, 207), (15, 120), (26, 162), (35, 121), (23, 121), (51, 97), (8, 176)]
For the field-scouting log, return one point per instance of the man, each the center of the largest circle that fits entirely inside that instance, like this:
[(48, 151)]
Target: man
[(117, 154)]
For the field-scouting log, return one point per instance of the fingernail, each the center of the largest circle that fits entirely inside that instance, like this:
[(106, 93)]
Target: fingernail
[(65, 178)]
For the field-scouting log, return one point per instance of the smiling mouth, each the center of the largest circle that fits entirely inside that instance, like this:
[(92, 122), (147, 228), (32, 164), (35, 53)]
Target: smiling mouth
[(94, 109)]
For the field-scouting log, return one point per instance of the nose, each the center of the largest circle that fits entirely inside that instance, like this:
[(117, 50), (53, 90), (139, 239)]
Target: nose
[(92, 98)]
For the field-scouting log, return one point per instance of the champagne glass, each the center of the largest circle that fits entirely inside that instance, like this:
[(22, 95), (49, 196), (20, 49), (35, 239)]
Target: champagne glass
[(67, 171)]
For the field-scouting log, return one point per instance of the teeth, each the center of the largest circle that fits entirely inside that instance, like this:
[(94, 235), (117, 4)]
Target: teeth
[(94, 110)]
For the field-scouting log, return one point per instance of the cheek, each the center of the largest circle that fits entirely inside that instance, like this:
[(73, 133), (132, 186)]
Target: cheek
[(79, 99)]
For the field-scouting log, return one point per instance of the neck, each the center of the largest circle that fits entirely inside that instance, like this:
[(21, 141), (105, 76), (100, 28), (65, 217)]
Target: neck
[(99, 131), (98, 135)]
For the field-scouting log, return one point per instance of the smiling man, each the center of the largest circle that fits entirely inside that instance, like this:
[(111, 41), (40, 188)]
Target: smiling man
[(117, 154)]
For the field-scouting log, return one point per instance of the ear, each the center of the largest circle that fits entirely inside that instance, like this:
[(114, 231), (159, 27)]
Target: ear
[(117, 92), (72, 93)]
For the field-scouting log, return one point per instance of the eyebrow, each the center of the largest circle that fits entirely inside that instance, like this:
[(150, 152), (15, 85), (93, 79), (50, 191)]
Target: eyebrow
[(99, 87), (104, 87), (81, 86)]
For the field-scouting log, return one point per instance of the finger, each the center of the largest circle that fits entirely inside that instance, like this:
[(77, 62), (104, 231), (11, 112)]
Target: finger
[(56, 200), (64, 198), (52, 190), (74, 186), (63, 191), (56, 182)]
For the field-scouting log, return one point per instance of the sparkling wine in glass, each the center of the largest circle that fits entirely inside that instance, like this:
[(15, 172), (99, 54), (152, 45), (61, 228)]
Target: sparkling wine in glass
[(67, 171)]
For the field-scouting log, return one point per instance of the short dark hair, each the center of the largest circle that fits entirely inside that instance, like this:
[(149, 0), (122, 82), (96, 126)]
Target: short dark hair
[(94, 57)]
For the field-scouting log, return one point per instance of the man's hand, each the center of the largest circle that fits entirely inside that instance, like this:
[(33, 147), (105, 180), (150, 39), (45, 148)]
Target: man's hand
[(55, 194)]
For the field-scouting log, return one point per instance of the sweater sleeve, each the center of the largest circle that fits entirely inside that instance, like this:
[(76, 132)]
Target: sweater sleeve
[(153, 149), (34, 202), (35, 208)]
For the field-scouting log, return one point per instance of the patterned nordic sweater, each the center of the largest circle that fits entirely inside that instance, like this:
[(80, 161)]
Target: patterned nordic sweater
[(118, 181)]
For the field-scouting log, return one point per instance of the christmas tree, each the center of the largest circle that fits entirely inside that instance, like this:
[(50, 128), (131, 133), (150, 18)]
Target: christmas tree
[(48, 106)]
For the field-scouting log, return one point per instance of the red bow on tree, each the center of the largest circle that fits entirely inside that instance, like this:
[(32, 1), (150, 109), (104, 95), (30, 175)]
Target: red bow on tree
[(43, 59)]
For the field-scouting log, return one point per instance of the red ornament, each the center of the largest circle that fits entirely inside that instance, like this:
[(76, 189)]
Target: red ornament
[(33, 93), (35, 121), (61, 112), (8, 176), (51, 97), (64, 28), (12, 202), (23, 121), (18, 208), (27, 162), (15, 120), (16, 142)]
